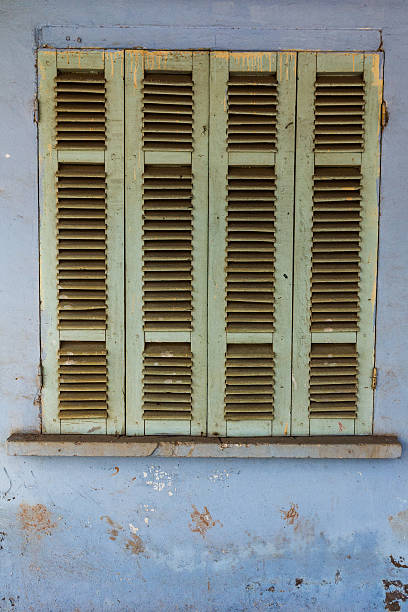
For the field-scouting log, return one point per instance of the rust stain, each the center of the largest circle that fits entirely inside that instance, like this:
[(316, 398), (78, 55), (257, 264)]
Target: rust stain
[(115, 527), (298, 582), (36, 520), (291, 515), (202, 521), (399, 563), (116, 470), (393, 597), (135, 544)]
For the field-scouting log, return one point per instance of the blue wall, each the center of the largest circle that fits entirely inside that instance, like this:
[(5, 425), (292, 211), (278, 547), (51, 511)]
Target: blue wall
[(198, 535)]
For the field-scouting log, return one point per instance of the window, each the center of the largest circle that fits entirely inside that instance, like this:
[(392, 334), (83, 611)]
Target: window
[(208, 241)]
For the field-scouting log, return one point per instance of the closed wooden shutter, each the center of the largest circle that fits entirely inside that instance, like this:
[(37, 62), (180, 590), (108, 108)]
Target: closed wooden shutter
[(251, 180), (336, 229), (81, 240), (166, 97)]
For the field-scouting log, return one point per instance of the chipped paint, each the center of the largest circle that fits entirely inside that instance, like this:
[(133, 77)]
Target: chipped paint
[(114, 529), (202, 521), (78, 567), (36, 520)]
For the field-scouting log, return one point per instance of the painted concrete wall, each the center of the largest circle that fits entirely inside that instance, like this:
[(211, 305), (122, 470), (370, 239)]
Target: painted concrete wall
[(198, 535)]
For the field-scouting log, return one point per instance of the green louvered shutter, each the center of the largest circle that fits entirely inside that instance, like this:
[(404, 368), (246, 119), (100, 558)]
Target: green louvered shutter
[(336, 229), (166, 241), (81, 240), (251, 181)]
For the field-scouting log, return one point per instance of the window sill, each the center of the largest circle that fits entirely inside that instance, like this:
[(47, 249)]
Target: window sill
[(315, 447)]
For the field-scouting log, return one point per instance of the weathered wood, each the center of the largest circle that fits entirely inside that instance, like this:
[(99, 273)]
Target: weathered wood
[(48, 162), (307, 159), (314, 447), (303, 243), (114, 160)]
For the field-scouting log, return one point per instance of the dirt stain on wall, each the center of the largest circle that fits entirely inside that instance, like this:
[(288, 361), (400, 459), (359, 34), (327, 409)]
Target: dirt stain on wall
[(399, 524), (36, 520), (202, 521)]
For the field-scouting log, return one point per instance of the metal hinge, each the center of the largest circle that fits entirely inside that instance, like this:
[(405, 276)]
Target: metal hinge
[(36, 111), (40, 376), (374, 379), (384, 114)]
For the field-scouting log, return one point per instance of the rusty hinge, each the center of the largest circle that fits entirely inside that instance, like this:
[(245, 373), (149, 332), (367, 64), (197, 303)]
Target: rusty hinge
[(374, 379), (40, 381), (36, 111), (384, 114)]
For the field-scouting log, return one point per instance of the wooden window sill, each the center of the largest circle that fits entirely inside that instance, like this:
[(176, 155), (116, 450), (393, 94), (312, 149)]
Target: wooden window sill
[(314, 447)]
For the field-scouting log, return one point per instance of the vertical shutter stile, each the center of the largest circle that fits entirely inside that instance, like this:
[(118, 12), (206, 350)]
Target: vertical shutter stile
[(166, 241), (252, 107), (336, 229), (81, 240)]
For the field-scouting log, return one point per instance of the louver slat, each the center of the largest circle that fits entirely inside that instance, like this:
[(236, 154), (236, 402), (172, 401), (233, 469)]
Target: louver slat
[(167, 372), (333, 381), (336, 249), (168, 111), (81, 231), (167, 248), (80, 106), (252, 110), (339, 116), (250, 248), (249, 389), (82, 380)]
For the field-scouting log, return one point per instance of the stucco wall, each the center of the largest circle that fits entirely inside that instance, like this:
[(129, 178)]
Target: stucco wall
[(198, 535)]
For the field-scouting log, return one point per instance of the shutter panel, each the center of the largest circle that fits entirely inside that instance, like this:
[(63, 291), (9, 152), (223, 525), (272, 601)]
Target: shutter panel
[(336, 230), (81, 240), (166, 241), (251, 182)]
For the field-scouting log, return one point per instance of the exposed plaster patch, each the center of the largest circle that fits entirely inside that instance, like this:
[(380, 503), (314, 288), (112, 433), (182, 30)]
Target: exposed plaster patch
[(202, 521), (219, 476), (158, 479), (135, 544), (114, 527), (36, 521)]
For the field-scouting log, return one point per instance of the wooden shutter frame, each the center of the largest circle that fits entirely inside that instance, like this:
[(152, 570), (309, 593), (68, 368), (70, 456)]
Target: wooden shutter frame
[(135, 64), (111, 62), (221, 63), (370, 64)]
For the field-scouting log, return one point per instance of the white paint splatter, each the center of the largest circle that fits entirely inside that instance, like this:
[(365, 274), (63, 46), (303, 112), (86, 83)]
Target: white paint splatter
[(148, 508), (219, 475), (7, 155), (133, 529), (158, 479), (146, 520)]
